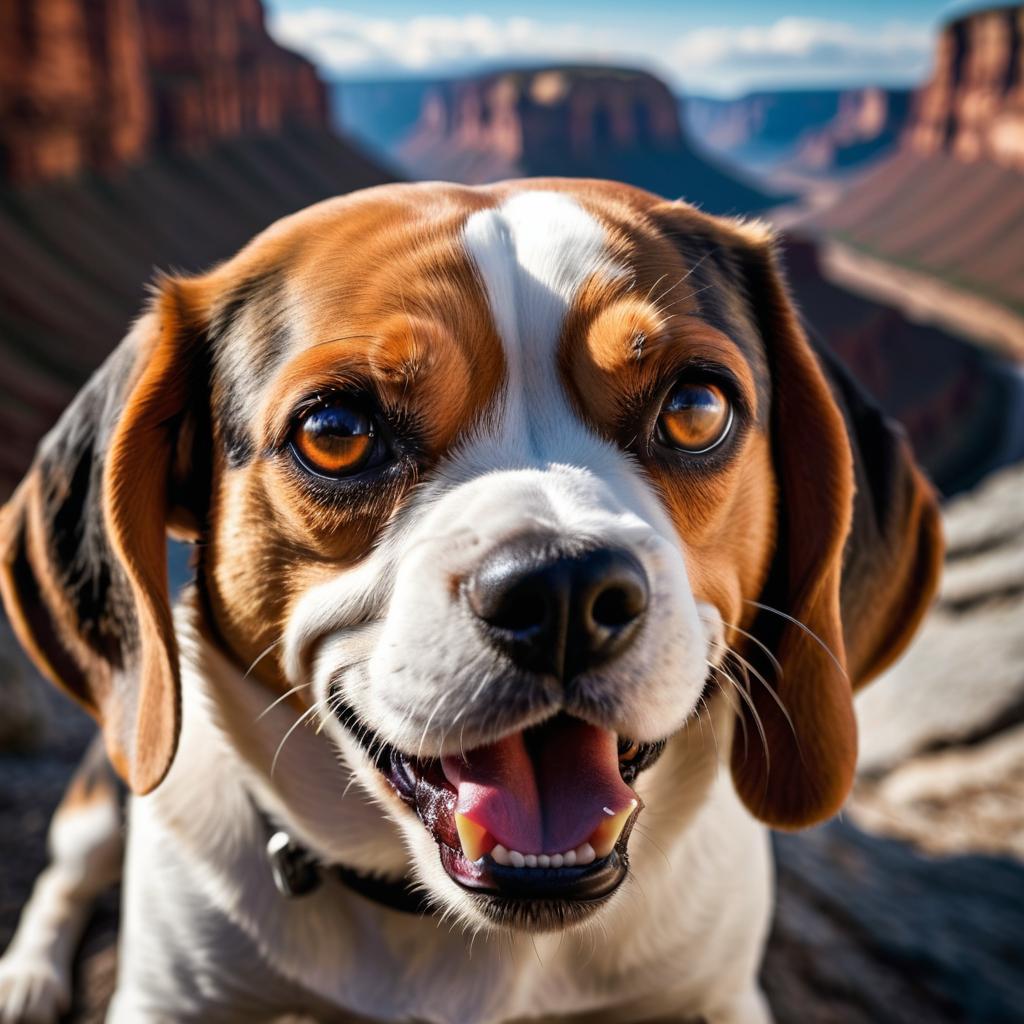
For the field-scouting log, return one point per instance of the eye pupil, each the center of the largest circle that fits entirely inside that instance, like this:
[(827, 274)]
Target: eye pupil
[(695, 417), (335, 439)]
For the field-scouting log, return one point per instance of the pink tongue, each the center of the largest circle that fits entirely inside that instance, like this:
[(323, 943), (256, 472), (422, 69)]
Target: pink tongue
[(547, 799)]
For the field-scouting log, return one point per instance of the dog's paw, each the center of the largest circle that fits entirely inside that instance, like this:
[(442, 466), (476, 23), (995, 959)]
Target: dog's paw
[(32, 991)]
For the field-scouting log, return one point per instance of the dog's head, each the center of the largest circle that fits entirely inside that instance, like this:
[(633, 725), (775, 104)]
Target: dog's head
[(502, 481)]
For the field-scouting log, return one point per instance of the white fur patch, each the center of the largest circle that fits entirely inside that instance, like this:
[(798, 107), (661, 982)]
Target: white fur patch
[(533, 254)]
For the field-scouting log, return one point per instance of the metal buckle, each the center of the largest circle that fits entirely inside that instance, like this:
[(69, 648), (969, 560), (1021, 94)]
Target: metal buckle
[(294, 870)]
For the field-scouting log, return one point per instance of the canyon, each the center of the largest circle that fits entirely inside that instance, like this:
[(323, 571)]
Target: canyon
[(948, 205), (814, 131)]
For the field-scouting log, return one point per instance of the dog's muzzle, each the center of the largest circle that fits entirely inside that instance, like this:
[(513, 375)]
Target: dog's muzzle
[(543, 813)]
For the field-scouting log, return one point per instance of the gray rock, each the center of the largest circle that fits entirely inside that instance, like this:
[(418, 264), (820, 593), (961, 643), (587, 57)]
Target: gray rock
[(963, 677)]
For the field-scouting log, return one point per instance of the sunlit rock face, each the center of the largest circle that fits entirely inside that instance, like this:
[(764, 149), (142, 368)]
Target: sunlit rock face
[(100, 84), (973, 106), (601, 122)]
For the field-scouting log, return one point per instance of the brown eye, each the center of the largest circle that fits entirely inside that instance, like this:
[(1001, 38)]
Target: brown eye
[(336, 440), (695, 418)]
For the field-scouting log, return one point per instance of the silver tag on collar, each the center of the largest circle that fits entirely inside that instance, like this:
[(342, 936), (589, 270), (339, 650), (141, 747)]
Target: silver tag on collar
[(295, 872)]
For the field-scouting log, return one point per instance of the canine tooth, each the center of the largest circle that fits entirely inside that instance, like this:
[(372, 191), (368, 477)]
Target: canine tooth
[(531, 860), (569, 859), (474, 837), (606, 835), (557, 860), (543, 860), (516, 859), (585, 854), (500, 855)]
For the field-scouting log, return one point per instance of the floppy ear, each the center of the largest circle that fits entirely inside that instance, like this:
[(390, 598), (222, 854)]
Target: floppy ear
[(83, 566), (858, 547), (858, 555)]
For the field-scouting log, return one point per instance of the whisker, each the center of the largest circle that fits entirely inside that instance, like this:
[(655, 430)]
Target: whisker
[(748, 700), (733, 706), (260, 657), (771, 690), (760, 643), (714, 736), (807, 629), (298, 721), (685, 277), (284, 696)]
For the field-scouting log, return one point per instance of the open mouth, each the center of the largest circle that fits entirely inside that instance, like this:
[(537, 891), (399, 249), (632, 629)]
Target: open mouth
[(540, 815)]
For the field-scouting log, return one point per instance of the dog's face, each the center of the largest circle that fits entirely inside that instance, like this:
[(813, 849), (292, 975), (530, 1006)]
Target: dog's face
[(499, 482)]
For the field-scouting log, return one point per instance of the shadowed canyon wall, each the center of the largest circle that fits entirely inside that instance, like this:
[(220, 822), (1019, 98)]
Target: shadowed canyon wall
[(815, 130), (99, 84)]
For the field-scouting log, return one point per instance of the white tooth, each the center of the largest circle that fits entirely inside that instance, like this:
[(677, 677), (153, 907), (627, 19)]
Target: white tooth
[(585, 854), (556, 860), (543, 860), (500, 855), (569, 859), (531, 860), (516, 859)]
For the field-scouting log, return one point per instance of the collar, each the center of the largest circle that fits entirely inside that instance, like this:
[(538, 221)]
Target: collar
[(297, 872)]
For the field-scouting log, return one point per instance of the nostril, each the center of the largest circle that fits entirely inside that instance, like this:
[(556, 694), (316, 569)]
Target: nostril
[(522, 609), (617, 606)]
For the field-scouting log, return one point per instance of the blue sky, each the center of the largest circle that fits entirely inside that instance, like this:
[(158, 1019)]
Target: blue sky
[(722, 47)]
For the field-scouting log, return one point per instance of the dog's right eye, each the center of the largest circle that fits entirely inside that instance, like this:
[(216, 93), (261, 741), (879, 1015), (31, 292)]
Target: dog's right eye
[(337, 439)]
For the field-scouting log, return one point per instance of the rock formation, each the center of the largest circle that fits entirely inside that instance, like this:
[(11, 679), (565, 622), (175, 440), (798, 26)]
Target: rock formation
[(948, 205), (973, 107), (820, 131), (102, 83), (215, 73), (867, 124), (574, 121), (961, 405), (73, 89)]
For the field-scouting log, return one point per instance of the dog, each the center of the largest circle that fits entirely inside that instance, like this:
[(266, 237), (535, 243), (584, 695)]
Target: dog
[(538, 555)]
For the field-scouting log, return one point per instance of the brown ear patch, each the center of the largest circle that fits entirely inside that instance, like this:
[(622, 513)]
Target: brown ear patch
[(805, 770)]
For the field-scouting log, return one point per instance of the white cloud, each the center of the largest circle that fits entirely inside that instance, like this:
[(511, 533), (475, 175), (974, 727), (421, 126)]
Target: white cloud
[(792, 50), (805, 42), (347, 43)]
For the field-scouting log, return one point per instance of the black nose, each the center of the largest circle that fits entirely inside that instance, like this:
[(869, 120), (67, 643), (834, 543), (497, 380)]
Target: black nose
[(559, 614)]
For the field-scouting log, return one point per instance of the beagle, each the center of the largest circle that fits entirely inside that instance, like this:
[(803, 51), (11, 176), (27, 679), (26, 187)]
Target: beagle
[(538, 556)]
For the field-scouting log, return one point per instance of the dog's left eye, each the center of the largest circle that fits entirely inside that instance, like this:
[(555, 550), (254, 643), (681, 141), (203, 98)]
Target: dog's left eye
[(695, 418), (337, 439)]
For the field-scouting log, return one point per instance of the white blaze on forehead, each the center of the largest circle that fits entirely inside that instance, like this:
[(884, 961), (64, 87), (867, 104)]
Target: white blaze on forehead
[(533, 254)]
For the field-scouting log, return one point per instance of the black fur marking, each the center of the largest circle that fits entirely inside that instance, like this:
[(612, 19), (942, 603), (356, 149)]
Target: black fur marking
[(248, 338)]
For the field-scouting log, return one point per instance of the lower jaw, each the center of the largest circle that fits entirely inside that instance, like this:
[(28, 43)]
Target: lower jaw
[(591, 884), (538, 899)]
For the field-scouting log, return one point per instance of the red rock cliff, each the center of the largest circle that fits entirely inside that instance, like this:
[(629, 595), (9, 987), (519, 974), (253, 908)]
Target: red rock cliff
[(101, 83), (599, 122), (216, 73), (73, 89), (973, 106)]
